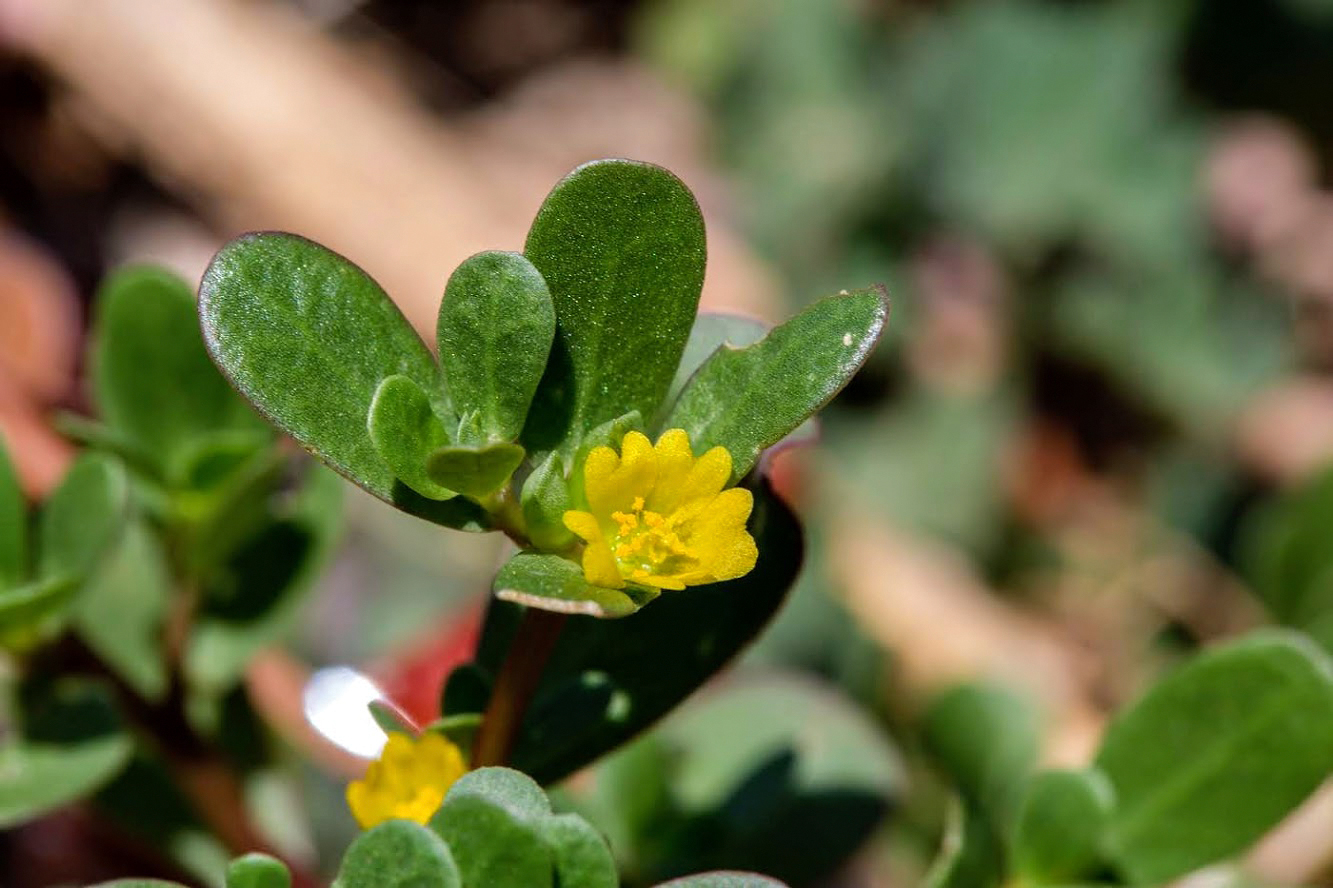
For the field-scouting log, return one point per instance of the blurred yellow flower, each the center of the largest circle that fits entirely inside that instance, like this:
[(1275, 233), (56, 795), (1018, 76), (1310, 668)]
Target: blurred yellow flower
[(659, 517), (408, 782)]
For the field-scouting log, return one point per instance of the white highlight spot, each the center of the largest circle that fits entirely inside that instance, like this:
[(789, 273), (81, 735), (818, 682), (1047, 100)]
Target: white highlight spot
[(846, 339), (336, 701)]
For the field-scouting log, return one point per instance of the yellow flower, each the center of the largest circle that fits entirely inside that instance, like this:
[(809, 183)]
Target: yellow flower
[(408, 782), (659, 517)]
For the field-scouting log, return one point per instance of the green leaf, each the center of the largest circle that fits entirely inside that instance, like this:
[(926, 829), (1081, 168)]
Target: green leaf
[(782, 773), (405, 431), (724, 880), (399, 854), (512, 790), (1058, 834), (986, 739), (23, 609), (36, 778), (1289, 561), (13, 524), (621, 246), (477, 472), (605, 680), (151, 376), (81, 517), (308, 337), (750, 398), (493, 846), (582, 859), (258, 871), (544, 500), (711, 332), (971, 856), (1217, 753), (138, 883), (554, 583), (494, 333), (254, 597), (121, 610)]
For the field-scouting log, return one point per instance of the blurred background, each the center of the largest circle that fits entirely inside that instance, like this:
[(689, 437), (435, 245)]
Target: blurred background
[(1105, 226)]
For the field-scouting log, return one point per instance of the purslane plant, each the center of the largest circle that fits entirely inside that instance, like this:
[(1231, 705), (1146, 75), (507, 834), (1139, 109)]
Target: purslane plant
[(579, 406)]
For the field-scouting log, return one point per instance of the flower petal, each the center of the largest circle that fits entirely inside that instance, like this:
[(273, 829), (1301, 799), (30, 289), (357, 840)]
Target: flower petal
[(674, 461), (599, 565), (718, 537), (707, 477), (611, 485)]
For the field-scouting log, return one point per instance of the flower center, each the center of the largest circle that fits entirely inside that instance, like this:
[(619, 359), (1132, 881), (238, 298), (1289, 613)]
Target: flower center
[(645, 540)]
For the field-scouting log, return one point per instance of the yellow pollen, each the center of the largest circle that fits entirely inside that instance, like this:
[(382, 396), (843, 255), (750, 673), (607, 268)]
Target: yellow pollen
[(645, 539)]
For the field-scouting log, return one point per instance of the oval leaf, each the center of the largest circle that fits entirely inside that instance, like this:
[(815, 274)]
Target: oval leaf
[(39, 777), (581, 856), (1217, 753), (405, 431), (477, 472), (151, 376), (80, 519), (1061, 822), (621, 246), (493, 846), (308, 337), (750, 398), (258, 871), (553, 583), (512, 790), (398, 854), (494, 333)]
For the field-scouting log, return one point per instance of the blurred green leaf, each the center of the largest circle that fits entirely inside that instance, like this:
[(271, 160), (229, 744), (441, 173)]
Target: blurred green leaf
[(73, 744), (258, 871), (1215, 754), (25, 611), (750, 398), (405, 431), (1060, 827), (151, 375), (81, 517), (986, 740), (495, 330), (493, 843), (253, 599), (308, 337), (554, 583), (399, 854), (776, 774), (621, 247), (971, 856), (1289, 560), (13, 524), (616, 666), (475, 471), (120, 612)]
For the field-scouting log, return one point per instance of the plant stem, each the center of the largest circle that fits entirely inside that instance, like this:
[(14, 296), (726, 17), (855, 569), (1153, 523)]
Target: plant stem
[(517, 682)]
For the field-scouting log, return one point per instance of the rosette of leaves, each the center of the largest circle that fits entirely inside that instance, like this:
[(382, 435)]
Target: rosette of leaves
[(588, 334), (495, 829), (591, 333)]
